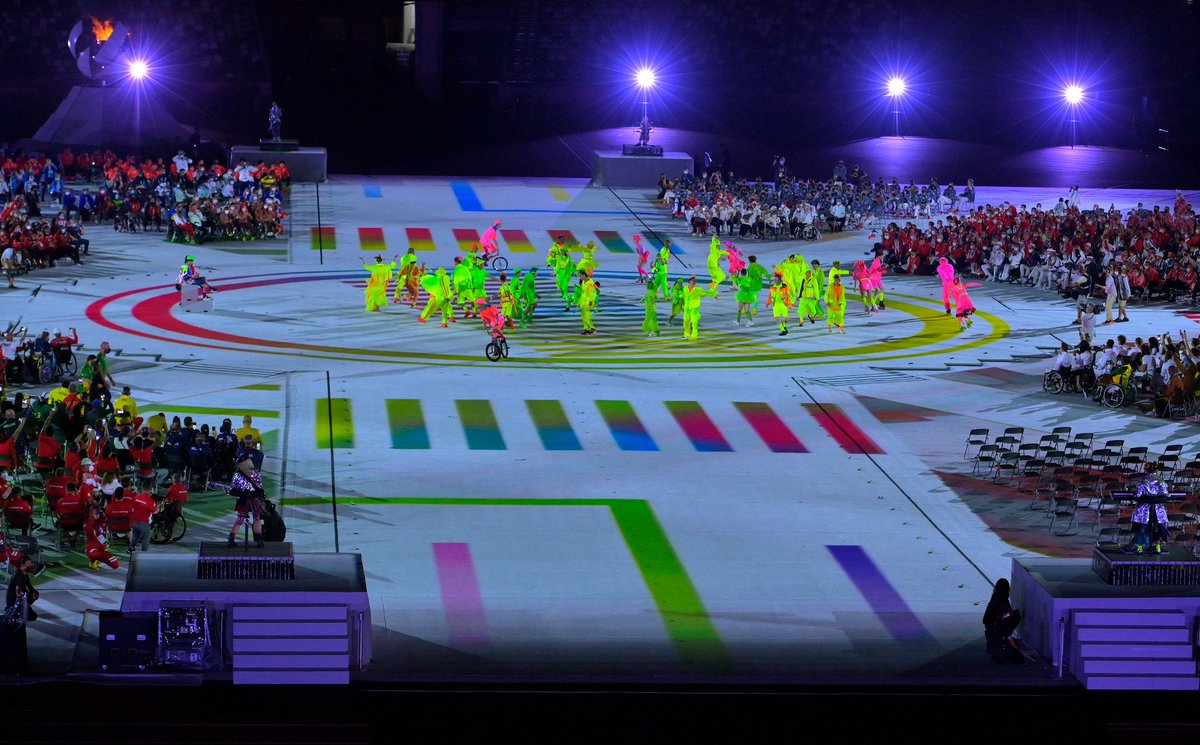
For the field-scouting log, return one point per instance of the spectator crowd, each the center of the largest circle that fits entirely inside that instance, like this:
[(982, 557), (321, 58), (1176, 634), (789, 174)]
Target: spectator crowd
[(191, 201)]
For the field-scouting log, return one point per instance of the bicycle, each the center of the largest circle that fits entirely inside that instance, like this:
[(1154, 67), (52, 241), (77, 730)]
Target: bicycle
[(497, 348), (494, 261), (167, 526)]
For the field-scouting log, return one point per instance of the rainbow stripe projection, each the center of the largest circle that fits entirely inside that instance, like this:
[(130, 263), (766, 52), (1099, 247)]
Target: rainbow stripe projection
[(517, 241), (552, 425), (324, 237), (479, 424), (335, 424), (613, 241), (698, 427), (842, 429), (465, 237), (770, 427), (406, 421), (627, 430), (420, 239), (371, 239)]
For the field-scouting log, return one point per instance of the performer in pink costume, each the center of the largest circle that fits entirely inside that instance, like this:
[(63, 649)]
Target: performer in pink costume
[(643, 258), (962, 302), (862, 278), (945, 271), (876, 272), (736, 262), (488, 241)]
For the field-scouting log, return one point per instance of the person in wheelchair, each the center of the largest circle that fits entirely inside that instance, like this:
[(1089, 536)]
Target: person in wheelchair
[(62, 346), (1081, 374)]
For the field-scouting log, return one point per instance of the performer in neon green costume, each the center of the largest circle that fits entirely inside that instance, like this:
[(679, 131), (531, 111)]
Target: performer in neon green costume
[(381, 274), (659, 281), (650, 323), (563, 269), (588, 263), (508, 300), (691, 307), (479, 277), (835, 301), (589, 293), (715, 254), (441, 294), (516, 289), (664, 253), (528, 297), (759, 273), (819, 282), (408, 264), (677, 301), (747, 293), (460, 279)]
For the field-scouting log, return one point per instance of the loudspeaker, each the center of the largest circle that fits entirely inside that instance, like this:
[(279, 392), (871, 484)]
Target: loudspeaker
[(128, 641)]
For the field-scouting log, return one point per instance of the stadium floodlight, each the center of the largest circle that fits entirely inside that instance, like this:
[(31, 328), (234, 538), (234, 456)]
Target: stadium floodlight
[(896, 86), (138, 69), (1073, 94), (645, 78)]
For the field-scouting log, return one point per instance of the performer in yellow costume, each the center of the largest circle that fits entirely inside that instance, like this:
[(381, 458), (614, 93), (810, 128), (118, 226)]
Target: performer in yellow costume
[(691, 307), (381, 274)]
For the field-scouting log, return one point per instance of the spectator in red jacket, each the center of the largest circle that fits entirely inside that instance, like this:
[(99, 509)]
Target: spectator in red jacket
[(141, 513)]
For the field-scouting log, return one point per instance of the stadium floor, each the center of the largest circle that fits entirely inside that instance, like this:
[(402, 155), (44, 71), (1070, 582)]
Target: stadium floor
[(747, 507)]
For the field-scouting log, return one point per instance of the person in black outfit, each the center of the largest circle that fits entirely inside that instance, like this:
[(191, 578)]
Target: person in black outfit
[(14, 644), (1000, 620)]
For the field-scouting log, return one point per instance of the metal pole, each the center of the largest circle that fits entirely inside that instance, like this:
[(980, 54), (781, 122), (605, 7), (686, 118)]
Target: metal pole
[(320, 230), (337, 546)]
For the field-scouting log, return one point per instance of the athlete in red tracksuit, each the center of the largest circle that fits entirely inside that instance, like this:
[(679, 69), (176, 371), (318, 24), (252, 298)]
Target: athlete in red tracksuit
[(97, 542)]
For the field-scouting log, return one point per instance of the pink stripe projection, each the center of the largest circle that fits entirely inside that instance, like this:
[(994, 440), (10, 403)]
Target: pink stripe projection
[(460, 593)]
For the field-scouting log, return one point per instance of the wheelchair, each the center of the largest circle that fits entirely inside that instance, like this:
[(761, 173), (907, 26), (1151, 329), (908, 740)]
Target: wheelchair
[(1120, 391)]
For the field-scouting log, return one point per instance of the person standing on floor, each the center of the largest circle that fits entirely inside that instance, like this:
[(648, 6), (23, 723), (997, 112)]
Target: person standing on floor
[(692, 295), (835, 302), (781, 303), (18, 611), (945, 272), (247, 489)]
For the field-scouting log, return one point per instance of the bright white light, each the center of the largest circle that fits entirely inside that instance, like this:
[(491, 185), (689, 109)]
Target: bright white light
[(138, 69), (645, 77), (896, 86), (1073, 94)]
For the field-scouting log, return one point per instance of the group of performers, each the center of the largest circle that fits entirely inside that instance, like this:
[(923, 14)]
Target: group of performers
[(795, 286)]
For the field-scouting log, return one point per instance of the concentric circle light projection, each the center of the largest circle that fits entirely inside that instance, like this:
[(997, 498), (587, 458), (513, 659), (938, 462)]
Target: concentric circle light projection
[(645, 78), (896, 86), (1073, 94)]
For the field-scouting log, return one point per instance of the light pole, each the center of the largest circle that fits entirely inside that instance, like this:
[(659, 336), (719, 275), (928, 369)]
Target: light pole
[(895, 88), (1074, 96)]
